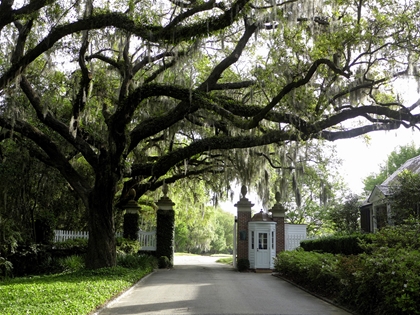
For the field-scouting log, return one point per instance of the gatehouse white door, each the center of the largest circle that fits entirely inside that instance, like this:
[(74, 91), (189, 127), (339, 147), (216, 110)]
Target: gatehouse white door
[(262, 257)]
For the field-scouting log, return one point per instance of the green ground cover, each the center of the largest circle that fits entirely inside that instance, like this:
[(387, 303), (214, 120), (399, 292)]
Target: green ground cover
[(78, 293), (226, 260)]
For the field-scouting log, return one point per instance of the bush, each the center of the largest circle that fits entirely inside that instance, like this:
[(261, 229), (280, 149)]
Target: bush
[(76, 243), (315, 271), (243, 264), (31, 260), (6, 268), (135, 261), (127, 246), (164, 262), (385, 279), (338, 244), (72, 263)]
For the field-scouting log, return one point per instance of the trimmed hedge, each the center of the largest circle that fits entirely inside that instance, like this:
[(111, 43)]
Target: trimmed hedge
[(385, 279), (338, 244)]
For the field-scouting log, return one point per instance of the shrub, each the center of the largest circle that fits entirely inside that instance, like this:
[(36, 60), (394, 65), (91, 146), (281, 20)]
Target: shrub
[(385, 279), (72, 263), (127, 246), (32, 259), (135, 261), (164, 262), (315, 271), (44, 231), (76, 243), (6, 268), (338, 244), (243, 264)]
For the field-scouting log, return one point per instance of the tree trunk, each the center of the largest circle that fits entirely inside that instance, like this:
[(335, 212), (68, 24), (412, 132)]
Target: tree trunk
[(101, 246)]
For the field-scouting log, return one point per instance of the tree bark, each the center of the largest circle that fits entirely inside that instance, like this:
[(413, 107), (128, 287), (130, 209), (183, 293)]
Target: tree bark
[(101, 246)]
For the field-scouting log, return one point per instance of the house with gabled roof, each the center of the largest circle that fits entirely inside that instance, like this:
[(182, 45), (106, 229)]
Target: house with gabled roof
[(376, 212)]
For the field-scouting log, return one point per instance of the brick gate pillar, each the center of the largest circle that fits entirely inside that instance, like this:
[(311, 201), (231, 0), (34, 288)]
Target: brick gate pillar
[(278, 214), (131, 217), (244, 216), (165, 227)]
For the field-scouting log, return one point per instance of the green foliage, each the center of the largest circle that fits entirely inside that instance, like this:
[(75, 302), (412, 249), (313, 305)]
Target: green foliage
[(346, 216), (141, 91), (226, 260), (72, 263), (6, 268), (31, 260), (337, 244), (405, 197), (164, 262), (44, 229), (73, 243), (136, 261), (198, 226), (242, 264), (9, 236), (385, 279), (127, 246), (61, 293), (315, 271)]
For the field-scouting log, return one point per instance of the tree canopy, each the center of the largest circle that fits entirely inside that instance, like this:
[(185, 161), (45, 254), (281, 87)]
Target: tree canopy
[(131, 94)]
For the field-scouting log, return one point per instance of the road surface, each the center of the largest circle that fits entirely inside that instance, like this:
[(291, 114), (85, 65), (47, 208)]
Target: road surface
[(199, 285)]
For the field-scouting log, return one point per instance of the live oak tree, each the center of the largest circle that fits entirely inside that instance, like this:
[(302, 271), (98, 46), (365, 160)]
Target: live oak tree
[(144, 92)]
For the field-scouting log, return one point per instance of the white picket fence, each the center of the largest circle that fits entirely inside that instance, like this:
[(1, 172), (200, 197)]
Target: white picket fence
[(147, 239)]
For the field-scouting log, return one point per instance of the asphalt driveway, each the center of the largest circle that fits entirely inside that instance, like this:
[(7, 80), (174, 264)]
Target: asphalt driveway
[(199, 285)]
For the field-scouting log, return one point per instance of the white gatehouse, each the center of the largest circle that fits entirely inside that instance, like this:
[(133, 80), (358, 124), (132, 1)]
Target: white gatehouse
[(262, 241)]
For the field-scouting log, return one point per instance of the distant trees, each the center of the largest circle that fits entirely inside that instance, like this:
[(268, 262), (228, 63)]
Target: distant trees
[(200, 226), (405, 197), (346, 216)]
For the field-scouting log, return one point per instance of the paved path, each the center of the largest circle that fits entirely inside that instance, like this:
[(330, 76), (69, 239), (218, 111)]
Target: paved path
[(199, 285)]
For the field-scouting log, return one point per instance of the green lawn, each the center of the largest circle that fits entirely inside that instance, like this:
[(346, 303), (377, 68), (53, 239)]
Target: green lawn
[(226, 260), (73, 293)]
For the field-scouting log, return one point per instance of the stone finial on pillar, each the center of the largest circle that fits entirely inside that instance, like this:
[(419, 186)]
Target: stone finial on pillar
[(278, 211), (164, 202), (244, 191)]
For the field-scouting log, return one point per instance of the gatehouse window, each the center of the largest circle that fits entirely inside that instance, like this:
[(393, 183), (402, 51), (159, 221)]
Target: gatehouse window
[(272, 240), (262, 240)]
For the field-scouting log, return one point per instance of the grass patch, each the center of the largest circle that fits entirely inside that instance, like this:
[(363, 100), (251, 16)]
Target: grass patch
[(72, 293), (226, 260)]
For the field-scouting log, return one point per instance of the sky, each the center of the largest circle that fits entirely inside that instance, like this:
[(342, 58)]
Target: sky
[(361, 158)]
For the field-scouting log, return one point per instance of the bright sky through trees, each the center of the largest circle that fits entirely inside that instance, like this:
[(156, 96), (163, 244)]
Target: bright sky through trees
[(361, 157)]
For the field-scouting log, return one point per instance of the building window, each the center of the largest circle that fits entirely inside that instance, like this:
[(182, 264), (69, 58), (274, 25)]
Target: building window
[(262, 240), (252, 239), (272, 239)]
